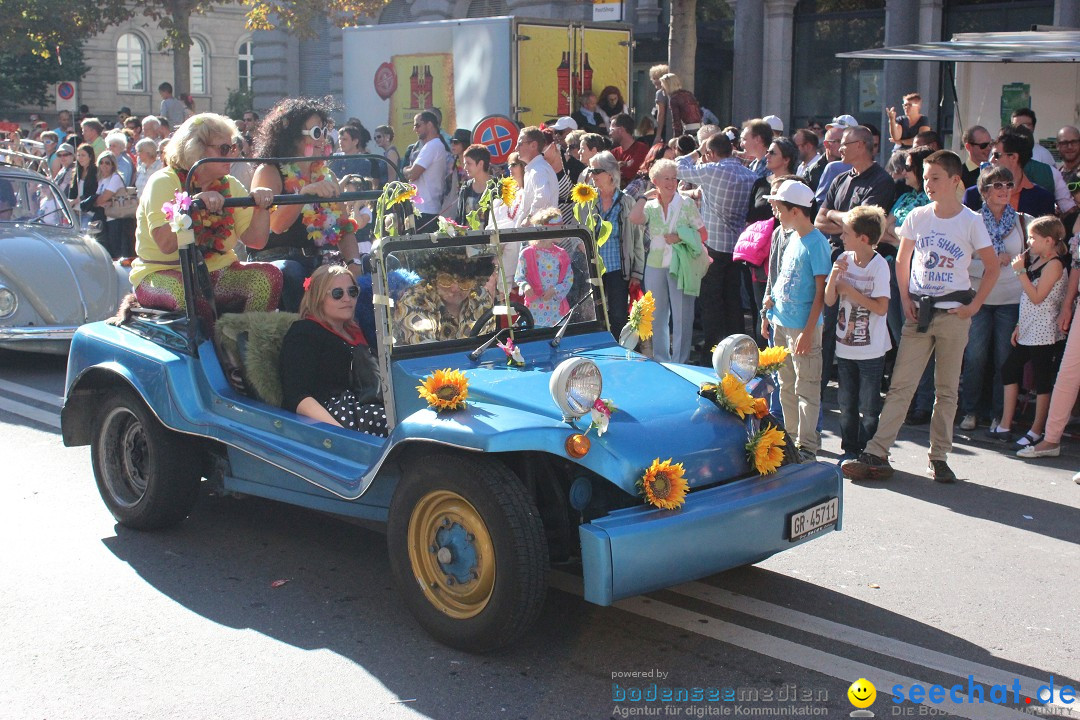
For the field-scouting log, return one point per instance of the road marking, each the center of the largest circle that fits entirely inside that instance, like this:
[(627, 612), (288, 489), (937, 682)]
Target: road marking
[(30, 412), (32, 393), (854, 636), (782, 650)]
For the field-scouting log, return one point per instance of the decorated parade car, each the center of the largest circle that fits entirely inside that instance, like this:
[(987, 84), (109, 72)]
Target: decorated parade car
[(520, 434), (53, 276)]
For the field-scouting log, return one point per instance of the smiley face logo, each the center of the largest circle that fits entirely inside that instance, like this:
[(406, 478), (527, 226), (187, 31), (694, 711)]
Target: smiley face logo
[(862, 693)]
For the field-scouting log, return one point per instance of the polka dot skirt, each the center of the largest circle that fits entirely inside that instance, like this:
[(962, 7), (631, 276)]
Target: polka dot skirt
[(354, 415)]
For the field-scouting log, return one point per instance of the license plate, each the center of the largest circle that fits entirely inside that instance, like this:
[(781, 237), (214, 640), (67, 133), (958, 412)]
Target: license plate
[(814, 519)]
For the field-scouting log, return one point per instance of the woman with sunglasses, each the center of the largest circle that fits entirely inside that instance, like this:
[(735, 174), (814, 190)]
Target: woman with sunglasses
[(109, 183), (989, 338), (319, 356), (155, 272), (301, 236)]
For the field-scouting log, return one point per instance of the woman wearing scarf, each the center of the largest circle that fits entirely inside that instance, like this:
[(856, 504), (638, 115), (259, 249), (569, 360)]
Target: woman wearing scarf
[(991, 327), (155, 272), (676, 261)]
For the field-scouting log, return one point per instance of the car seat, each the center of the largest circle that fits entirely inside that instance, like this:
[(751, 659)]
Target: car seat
[(249, 348)]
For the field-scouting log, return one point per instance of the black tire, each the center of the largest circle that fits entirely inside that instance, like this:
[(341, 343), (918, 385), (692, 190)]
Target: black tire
[(517, 583), (147, 475)]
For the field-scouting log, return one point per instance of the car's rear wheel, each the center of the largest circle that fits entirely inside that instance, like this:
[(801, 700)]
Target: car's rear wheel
[(147, 475), (467, 550)]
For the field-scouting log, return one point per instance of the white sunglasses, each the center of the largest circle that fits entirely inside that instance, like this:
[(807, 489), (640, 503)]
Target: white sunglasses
[(315, 133)]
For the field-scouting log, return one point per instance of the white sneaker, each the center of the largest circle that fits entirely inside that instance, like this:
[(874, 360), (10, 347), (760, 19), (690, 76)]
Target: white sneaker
[(1076, 478), (968, 423)]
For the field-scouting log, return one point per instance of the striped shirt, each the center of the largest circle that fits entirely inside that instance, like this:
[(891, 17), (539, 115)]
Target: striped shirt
[(725, 197)]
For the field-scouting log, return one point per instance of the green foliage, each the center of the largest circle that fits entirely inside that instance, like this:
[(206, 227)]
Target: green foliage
[(27, 78), (240, 101)]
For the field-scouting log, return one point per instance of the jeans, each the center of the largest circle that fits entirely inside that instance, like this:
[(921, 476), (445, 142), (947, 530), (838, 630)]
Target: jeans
[(859, 393), (295, 268), (989, 339), (617, 294), (721, 299), (670, 345)]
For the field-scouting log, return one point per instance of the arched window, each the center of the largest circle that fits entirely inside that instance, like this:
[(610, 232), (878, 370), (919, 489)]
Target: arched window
[(199, 62), (245, 60), (396, 11), (487, 8), (130, 63)]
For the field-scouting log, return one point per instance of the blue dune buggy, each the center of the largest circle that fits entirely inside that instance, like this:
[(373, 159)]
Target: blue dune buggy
[(479, 501)]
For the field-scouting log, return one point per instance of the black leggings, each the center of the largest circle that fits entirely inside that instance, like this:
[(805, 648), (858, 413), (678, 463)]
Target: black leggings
[(1044, 360)]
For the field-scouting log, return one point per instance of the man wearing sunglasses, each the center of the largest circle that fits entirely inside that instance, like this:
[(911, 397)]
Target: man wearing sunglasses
[(1012, 151), (977, 142)]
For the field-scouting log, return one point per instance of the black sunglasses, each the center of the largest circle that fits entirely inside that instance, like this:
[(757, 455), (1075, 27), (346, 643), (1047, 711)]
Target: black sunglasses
[(226, 149), (981, 146), (1002, 185), (338, 293)]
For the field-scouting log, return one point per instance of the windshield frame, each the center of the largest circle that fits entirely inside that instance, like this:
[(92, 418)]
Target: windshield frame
[(390, 245)]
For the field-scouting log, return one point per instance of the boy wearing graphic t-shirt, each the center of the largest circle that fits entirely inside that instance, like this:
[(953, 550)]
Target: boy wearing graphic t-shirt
[(937, 243), (859, 281), (793, 308)]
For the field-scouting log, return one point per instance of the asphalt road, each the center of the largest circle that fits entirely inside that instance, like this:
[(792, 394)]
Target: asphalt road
[(926, 583)]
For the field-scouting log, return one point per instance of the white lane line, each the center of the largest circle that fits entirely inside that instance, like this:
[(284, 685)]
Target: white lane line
[(859, 638), (32, 393), (30, 412), (784, 650)]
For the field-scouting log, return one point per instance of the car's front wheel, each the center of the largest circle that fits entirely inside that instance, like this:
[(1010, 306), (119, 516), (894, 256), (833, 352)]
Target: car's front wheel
[(467, 550), (147, 475)]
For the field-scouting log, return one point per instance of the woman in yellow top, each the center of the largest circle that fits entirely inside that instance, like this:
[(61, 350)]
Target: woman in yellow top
[(155, 272)]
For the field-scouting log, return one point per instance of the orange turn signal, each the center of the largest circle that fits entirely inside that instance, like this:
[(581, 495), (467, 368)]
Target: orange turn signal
[(577, 445)]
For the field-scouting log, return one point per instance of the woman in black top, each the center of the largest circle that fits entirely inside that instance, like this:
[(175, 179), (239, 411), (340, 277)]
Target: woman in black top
[(84, 187), (318, 353), (297, 127)]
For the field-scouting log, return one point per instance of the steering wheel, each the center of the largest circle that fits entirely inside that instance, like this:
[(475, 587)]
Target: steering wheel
[(524, 321)]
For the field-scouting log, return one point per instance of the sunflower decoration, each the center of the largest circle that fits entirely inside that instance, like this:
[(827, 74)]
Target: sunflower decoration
[(641, 316), (583, 194), (664, 484), (731, 395), (508, 189), (771, 359), (761, 408), (403, 194), (765, 449), (445, 389)]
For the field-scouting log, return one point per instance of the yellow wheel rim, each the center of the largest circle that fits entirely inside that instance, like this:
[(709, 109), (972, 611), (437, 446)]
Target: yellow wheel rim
[(451, 554)]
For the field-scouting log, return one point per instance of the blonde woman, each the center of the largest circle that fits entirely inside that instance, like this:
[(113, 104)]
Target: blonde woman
[(684, 107)]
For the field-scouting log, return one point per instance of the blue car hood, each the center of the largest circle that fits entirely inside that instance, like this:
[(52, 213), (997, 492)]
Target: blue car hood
[(659, 413)]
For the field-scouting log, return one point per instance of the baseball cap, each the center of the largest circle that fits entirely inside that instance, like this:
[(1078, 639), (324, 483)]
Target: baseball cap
[(462, 136), (65, 148), (843, 121), (564, 123), (124, 111), (794, 192), (775, 123)]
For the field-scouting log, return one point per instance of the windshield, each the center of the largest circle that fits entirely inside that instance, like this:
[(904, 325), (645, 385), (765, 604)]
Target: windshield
[(27, 200), (449, 293)]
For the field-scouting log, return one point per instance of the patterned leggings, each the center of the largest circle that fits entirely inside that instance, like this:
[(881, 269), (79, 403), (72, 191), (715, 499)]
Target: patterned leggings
[(240, 287)]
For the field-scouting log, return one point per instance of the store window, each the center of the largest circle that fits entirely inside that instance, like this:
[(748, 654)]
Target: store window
[(245, 61), (823, 85), (130, 63)]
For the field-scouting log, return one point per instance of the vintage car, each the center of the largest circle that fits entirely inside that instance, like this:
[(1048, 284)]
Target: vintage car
[(477, 501), (53, 277)]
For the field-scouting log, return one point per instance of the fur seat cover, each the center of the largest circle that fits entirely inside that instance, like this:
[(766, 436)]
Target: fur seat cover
[(249, 346)]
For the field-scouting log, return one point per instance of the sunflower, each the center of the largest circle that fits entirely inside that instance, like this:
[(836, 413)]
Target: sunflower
[(583, 193), (771, 359), (641, 316), (664, 484), (732, 396), (445, 389), (507, 190), (407, 194), (764, 450)]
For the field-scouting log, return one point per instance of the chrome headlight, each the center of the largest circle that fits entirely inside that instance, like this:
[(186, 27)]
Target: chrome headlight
[(575, 385), (738, 355), (8, 302)]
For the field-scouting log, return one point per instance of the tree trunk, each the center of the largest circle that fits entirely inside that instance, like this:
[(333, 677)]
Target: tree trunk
[(180, 40), (682, 41)]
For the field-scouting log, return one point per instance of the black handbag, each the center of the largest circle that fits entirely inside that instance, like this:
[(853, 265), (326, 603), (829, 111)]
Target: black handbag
[(365, 376)]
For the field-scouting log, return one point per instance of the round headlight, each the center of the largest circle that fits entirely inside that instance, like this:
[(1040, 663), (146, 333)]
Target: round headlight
[(8, 302), (575, 385), (738, 355)]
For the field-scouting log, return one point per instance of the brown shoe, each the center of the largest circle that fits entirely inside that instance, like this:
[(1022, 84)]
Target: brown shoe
[(867, 467), (940, 471)]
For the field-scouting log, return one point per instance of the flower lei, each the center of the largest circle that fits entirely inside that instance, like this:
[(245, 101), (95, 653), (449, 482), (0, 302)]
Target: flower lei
[(326, 223), (211, 229)]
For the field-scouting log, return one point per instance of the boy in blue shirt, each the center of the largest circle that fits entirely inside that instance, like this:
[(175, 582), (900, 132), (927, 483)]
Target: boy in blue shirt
[(793, 309)]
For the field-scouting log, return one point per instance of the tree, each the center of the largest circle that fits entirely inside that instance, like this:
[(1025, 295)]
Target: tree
[(174, 17), (682, 40)]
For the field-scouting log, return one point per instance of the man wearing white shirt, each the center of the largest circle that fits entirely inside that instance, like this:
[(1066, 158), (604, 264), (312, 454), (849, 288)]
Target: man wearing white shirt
[(541, 184), (428, 170)]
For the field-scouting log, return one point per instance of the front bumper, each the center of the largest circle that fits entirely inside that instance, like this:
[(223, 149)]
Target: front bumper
[(642, 549), (30, 334)]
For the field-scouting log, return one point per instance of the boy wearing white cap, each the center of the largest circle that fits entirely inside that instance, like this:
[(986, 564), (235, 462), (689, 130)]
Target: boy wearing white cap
[(793, 309)]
